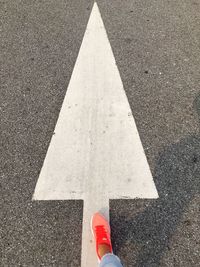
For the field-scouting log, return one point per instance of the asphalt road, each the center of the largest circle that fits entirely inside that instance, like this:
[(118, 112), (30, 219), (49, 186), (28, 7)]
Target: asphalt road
[(156, 46)]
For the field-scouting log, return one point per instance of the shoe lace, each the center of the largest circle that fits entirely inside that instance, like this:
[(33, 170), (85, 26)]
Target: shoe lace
[(101, 233)]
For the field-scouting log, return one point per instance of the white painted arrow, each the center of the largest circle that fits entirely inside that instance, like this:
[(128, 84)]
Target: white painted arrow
[(96, 153)]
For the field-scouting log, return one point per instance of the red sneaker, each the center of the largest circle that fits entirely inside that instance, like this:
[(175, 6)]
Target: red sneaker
[(101, 232)]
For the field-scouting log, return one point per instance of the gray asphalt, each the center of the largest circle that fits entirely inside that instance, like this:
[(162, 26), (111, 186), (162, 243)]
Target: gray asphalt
[(157, 49)]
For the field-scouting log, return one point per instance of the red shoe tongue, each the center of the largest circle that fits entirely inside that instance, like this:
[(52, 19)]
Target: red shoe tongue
[(103, 241)]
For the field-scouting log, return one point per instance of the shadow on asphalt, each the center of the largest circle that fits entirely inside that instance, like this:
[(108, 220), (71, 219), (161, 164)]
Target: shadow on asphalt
[(177, 179)]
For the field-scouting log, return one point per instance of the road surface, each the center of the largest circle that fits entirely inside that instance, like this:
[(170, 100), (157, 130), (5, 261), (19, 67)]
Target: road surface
[(156, 48)]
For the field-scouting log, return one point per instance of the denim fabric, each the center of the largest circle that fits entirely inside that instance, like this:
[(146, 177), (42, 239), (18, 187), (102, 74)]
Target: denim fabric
[(110, 260)]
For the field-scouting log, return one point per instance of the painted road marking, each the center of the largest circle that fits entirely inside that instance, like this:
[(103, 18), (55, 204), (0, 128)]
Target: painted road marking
[(96, 153)]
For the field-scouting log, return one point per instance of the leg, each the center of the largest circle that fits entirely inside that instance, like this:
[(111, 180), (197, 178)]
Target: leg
[(110, 260)]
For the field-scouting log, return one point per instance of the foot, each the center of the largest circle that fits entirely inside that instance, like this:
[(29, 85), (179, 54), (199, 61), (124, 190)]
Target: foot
[(101, 233)]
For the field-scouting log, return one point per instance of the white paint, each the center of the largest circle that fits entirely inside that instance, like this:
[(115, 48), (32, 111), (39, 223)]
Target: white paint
[(96, 153)]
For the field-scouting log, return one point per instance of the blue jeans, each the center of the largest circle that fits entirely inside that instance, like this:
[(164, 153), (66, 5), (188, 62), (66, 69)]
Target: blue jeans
[(110, 260)]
